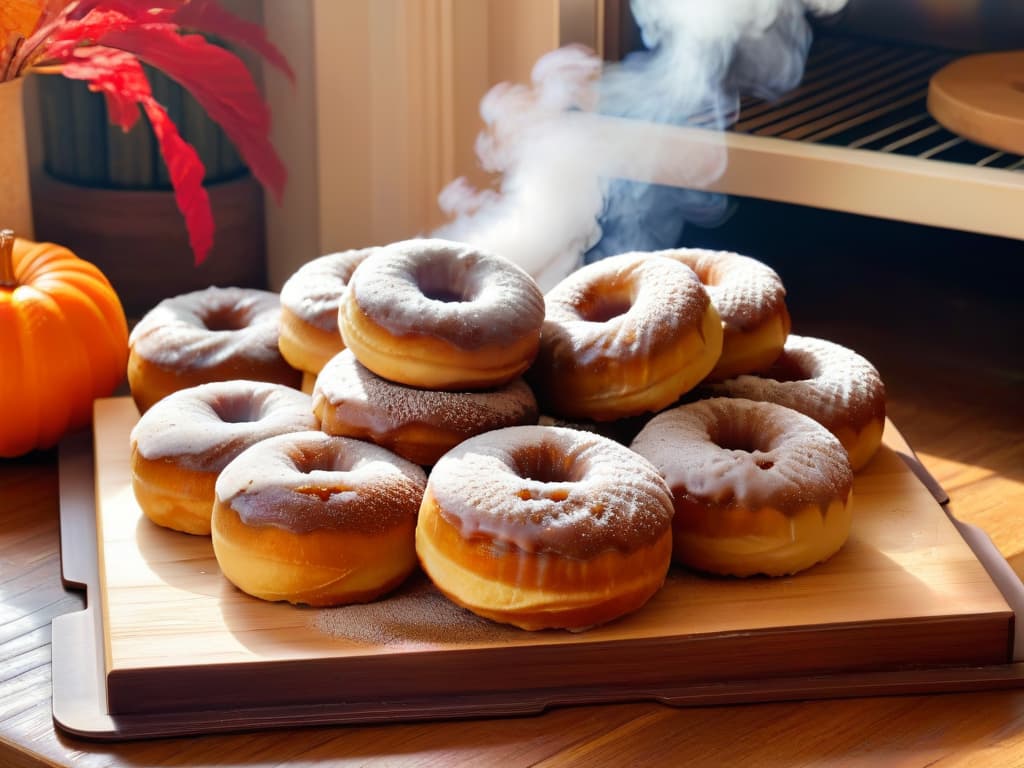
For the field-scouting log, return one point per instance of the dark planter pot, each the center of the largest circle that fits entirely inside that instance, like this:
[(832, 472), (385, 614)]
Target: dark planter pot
[(138, 238)]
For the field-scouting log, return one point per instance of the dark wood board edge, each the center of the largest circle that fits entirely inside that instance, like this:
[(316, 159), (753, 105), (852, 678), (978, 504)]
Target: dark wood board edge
[(546, 671)]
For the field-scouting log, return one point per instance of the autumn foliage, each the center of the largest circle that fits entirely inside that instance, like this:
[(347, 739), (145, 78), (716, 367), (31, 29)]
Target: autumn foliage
[(105, 42)]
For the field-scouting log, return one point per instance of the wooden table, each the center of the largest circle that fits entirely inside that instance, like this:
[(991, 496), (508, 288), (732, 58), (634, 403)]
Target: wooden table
[(955, 395)]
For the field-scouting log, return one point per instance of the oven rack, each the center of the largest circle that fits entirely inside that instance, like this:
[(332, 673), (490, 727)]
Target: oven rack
[(856, 136)]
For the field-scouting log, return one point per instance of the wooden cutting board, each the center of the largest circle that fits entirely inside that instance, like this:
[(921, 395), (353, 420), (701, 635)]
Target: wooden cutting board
[(905, 605)]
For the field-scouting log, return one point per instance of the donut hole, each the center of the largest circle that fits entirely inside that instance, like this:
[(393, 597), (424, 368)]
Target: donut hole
[(322, 457), (599, 305), (740, 436), (237, 410), (545, 464), (224, 319), (786, 368), (445, 281), (763, 463)]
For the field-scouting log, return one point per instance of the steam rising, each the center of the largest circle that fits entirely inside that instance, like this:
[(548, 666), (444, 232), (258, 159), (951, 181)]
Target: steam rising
[(558, 161)]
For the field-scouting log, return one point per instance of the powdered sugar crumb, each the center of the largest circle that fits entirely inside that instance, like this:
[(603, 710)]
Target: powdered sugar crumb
[(416, 616)]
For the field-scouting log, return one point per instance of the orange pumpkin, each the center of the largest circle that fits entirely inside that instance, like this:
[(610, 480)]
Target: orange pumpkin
[(63, 342)]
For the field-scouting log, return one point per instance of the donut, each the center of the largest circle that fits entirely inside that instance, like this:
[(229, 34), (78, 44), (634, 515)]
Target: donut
[(309, 334), (317, 520), (180, 445), (623, 336), (544, 527), (418, 424), (437, 314), (751, 301), (833, 385), (216, 334), (757, 488)]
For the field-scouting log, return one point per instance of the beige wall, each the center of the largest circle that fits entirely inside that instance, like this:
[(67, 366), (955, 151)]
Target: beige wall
[(385, 110)]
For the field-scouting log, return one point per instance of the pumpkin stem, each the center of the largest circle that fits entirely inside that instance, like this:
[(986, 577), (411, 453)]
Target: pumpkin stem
[(7, 279)]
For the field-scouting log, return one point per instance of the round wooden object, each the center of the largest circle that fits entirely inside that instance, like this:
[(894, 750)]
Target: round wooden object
[(981, 98)]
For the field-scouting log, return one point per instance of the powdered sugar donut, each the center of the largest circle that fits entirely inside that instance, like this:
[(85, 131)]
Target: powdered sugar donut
[(309, 335), (751, 301), (180, 445), (545, 527), (442, 315), (623, 336), (216, 334), (315, 519), (832, 384), (418, 424), (757, 488)]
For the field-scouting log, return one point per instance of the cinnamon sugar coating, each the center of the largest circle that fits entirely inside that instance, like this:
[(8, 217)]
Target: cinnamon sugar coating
[(621, 308), (735, 453), (439, 288), (307, 481), (207, 328), (351, 400), (553, 490), (745, 291), (313, 292), (204, 427), (832, 384)]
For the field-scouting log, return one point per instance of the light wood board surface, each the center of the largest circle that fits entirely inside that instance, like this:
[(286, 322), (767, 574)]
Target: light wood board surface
[(905, 591)]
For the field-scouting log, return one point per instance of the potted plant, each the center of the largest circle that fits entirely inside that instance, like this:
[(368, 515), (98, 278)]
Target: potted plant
[(108, 197)]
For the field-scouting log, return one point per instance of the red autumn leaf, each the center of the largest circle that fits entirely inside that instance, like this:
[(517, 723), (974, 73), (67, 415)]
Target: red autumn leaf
[(119, 76), (206, 16), (220, 82)]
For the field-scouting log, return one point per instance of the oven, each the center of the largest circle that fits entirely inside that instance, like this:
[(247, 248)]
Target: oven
[(892, 234)]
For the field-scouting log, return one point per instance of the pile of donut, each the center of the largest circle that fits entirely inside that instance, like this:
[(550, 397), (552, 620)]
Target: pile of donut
[(298, 430)]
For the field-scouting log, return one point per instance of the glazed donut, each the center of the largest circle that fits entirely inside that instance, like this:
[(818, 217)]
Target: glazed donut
[(757, 488), (437, 314), (751, 301), (828, 382), (309, 334), (216, 334), (543, 527), (418, 424), (623, 336), (180, 445), (317, 520)]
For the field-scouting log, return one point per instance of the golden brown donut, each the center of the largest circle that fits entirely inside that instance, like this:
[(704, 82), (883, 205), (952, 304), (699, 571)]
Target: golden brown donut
[(418, 424), (543, 527), (180, 445), (833, 385), (437, 314), (751, 301), (315, 519), (309, 334), (216, 334), (623, 336), (757, 488)]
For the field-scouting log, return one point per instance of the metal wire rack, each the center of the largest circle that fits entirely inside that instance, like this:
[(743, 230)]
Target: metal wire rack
[(868, 96)]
